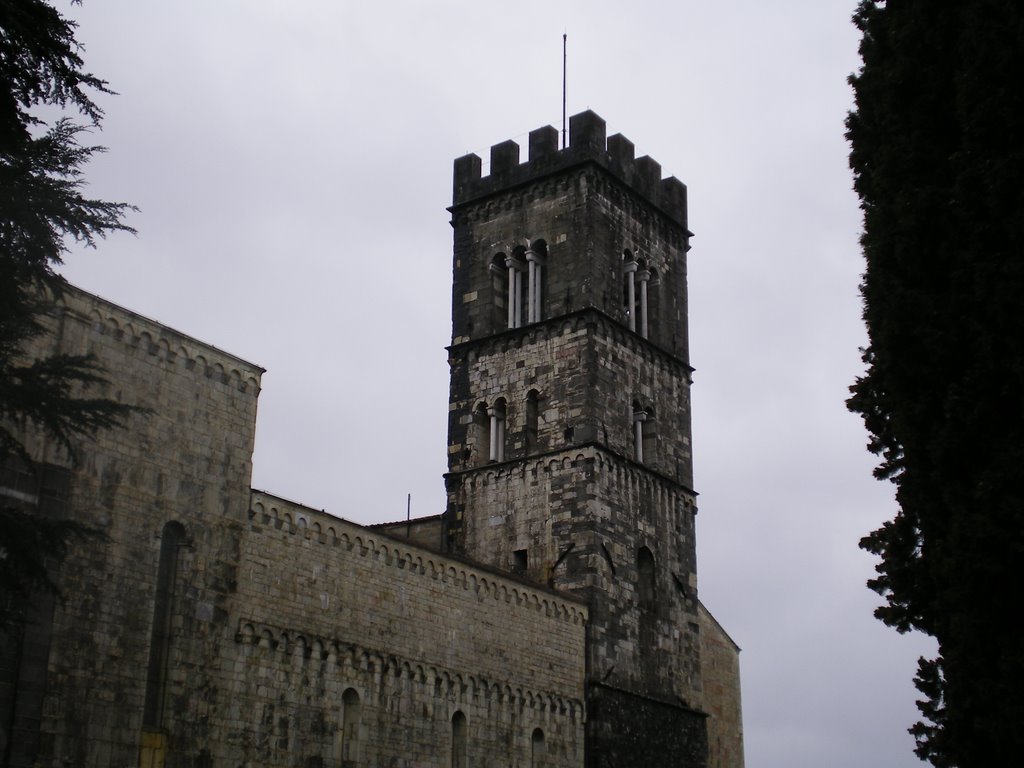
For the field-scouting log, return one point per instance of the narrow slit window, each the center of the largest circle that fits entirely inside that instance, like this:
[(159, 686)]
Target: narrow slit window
[(530, 437), (646, 592), (459, 757), (171, 540), (537, 750), (351, 718)]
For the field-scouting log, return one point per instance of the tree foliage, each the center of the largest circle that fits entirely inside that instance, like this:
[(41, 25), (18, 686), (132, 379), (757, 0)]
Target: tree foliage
[(937, 151), (43, 207)]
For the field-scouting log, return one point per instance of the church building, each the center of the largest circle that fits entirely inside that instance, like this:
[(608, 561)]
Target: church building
[(548, 617)]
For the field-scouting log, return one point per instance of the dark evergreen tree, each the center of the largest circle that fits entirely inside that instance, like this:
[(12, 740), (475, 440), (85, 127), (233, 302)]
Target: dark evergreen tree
[(42, 208), (937, 150)]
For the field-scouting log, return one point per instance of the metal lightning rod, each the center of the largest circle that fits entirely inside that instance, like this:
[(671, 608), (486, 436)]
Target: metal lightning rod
[(564, 36)]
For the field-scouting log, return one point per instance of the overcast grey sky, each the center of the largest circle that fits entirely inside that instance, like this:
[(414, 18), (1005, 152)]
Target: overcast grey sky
[(292, 162)]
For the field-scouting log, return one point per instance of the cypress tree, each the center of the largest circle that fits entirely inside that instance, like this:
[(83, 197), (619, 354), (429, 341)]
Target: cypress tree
[(937, 152)]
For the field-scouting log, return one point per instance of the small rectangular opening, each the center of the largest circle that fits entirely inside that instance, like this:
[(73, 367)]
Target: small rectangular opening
[(519, 561)]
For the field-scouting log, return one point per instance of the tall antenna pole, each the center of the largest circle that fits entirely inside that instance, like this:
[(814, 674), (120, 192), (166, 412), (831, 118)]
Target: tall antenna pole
[(564, 36)]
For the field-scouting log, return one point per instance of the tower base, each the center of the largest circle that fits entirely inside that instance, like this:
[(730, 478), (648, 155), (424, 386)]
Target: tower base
[(626, 730)]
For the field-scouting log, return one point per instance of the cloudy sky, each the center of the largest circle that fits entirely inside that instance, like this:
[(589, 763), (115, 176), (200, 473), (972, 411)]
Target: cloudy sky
[(292, 163)]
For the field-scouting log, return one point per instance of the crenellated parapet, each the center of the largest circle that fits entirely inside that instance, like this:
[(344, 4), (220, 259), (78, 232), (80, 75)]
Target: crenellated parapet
[(588, 144)]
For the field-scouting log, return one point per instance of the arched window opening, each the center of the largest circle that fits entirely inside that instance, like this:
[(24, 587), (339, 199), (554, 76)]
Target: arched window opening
[(537, 750), (636, 289), (350, 719), (654, 305), (480, 435), (499, 284), (646, 592), (647, 596), (516, 265), (530, 428), (459, 741), (629, 295), (172, 538), (649, 438), (536, 258), (639, 419), (497, 414)]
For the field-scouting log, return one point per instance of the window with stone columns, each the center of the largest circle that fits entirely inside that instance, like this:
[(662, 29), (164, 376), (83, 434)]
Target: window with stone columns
[(636, 285), (497, 414), (516, 277), (525, 284)]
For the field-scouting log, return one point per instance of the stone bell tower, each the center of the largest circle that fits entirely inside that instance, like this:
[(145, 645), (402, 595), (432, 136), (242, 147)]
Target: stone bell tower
[(569, 416)]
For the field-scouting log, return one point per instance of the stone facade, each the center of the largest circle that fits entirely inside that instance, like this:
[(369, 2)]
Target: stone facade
[(569, 417), (417, 636), (720, 662), (274, 617), (548, 618), (188, 460)]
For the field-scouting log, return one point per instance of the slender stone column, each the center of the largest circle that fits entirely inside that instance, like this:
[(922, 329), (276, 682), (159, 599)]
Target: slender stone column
[(536, 269), (639, 417), (630, 268), (536, 292), (643, 276), (493, 448), (519, 299), (511, 291), (515, 291), (531, 267)]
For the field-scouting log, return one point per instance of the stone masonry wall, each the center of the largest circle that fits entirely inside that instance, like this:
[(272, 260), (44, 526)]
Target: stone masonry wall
[(578, 510), (325, 606), (720, 664), (292, 638), (587, 372), (569, 449), (581, 207), (569, 432), (587, 543), (187, 459)]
